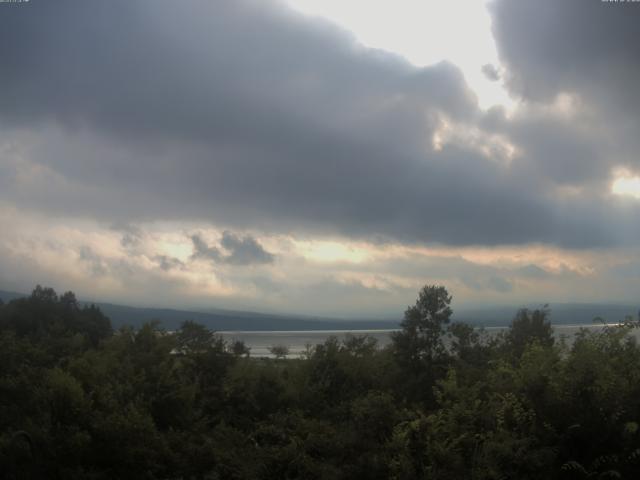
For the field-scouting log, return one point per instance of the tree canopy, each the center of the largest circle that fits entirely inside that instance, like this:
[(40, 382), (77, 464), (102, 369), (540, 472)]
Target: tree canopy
[(443, 400)]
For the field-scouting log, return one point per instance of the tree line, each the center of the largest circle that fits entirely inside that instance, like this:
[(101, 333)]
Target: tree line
[(79, 400)]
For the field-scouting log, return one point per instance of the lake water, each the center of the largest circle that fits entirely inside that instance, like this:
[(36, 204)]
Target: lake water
[(297, 341)]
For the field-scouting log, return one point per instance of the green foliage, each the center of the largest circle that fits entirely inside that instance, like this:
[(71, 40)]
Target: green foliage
[(58, 323), (79, 401), (420, 341), (528, 327), (193, 338), (419, 348)]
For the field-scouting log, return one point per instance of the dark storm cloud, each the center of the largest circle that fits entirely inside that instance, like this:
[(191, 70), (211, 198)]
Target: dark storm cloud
[(248, 115), (244, 250), (240, 250), (203, 251), (588, 48), (218, 72)]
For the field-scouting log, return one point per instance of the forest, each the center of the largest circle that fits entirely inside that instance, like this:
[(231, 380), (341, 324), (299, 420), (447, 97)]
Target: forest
[(80, 400)]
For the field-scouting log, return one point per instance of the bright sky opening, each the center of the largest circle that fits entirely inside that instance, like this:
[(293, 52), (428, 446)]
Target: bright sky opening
[(425, 33), (627, 185)]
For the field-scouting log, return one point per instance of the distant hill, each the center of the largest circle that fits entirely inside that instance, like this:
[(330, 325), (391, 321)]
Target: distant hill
[(8, 296), (234, 320), (223, 320), (231, 320)]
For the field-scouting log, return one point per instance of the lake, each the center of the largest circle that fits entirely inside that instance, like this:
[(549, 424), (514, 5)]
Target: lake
[(297, 341)]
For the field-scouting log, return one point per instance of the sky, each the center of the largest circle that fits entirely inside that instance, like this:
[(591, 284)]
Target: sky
[(321, 157)]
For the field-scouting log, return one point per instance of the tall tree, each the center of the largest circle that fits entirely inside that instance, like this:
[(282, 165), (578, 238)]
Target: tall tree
[(419, 347), (420, 339)]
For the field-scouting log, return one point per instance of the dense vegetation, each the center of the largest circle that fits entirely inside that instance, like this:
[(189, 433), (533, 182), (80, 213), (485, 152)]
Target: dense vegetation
[(444, 401)]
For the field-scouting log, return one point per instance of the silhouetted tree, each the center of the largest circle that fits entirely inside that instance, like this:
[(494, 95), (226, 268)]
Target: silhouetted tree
[(239, 348), (193, 337), (279, 351)]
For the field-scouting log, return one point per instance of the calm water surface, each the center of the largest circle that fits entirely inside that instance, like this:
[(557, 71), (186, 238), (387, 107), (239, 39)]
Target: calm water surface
[(297, 341)]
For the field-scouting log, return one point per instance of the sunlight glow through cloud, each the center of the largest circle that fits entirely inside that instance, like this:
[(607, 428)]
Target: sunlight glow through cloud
[(494, 147), (424, 32), (93, 260), (330, 251), (627, 185)]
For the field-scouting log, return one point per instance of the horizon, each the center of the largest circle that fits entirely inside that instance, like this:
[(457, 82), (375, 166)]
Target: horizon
[(475, 315)]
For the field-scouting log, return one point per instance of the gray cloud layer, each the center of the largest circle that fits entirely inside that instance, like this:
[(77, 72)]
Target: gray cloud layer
[(245, 114), (588, 46), (584, 47)]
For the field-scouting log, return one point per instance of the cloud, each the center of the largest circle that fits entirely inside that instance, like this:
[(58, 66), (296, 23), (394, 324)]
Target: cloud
[(131, 235), (491, 72), (582, 57), (88, 258), (533, 271), (244, 250), (202, 250), (258, 118), (580, 46), (500, 284), (240, 250), (96, 264), (168, 263), (254, 125)]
